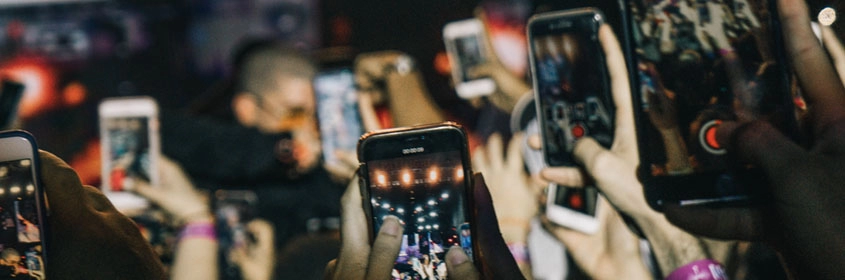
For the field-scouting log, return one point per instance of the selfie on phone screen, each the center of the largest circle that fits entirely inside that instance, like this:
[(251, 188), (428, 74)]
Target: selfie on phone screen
[(570, 82), (337, 110)]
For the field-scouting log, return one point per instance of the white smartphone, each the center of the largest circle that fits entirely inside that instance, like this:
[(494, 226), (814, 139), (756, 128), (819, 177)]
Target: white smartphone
[(22, 207), (129, 142), (466, 49), (574, 208)]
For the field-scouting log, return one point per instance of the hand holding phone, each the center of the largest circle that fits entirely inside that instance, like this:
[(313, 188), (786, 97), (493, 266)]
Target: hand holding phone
[(466, 46), (340, 120), (130, 148), (421, 175)]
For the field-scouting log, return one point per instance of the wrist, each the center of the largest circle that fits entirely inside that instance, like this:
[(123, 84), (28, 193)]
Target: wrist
[(202, 216), (199, 230), (514, 230), (704, 269)]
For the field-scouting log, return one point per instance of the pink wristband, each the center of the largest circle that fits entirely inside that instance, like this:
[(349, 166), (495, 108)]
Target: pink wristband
[(201, 230), (706, 269), (519, 252)]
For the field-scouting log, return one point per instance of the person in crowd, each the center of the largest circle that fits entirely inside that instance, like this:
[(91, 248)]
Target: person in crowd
[(197, 252), (87, 237), (10, 267)]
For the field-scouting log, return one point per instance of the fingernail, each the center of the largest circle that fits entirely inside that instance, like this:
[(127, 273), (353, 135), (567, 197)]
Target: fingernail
[(458, 257), (391, 226)]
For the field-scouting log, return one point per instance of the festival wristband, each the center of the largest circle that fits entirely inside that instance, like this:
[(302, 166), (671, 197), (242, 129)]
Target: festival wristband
[(519, 252), (199, 230), (706, 269)]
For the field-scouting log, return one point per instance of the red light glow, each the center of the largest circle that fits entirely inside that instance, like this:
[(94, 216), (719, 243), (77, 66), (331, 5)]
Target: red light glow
[(39, 81)]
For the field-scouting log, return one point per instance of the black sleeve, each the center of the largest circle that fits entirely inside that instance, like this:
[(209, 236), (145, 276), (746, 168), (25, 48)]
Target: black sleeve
[(214, 150)]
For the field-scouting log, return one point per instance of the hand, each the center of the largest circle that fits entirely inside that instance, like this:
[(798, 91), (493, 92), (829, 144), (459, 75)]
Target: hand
[(803, 213), (513, 196), (344, 170), (614, 173), (370, 72), (613, 252), (88, 238), (358, 260), (176, 194), (256, 260), (835, 49), (307, 148)]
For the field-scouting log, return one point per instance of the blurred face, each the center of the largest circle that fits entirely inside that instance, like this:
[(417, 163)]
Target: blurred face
[(288, 106)]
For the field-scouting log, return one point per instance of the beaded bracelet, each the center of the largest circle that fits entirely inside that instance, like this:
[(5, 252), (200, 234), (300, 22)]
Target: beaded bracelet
[(705, 269), (199, 230)]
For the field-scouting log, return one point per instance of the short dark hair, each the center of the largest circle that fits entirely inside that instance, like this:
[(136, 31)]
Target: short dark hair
[(262, 64)]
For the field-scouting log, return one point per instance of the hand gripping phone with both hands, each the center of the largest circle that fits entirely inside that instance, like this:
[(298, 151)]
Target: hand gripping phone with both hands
[(130, 149), (466, 48), (23, 209), (422, 175)]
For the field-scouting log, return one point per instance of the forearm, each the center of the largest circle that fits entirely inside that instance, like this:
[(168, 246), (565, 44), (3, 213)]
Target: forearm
[(672, 247), (510, 90), (196, 256), (677, 161), (409, 101)]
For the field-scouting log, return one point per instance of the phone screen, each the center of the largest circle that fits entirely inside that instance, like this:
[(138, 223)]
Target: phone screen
[(700, 63), (21, 251), (337, 110), (423, 183), (469, 54), (129, 151), (581, 200), (233, 210), (571, 84)]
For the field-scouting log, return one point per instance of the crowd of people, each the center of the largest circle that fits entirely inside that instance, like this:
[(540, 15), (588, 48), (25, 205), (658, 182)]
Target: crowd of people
[(305, 219)]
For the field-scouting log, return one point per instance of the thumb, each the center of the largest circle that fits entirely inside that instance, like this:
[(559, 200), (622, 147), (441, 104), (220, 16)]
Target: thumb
[(154, 194)]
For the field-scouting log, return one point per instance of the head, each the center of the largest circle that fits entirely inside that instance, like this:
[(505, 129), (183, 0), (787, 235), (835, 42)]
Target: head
[(9, 257), (274, 90)]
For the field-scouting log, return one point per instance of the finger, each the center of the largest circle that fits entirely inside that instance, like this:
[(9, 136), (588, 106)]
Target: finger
[(625, 136), (339, 170), (600, 163), (459, 266), (153, 194), (835, 49), (328, 273), (347, 157), (724, 223), (172, 175), (496, 259), (367, 109), (514, 156), (563, 176), (264, 238), (494, 151), (479, 160), (355, 249), (760, 144), (535, 142), (820, 84), (385, 249)]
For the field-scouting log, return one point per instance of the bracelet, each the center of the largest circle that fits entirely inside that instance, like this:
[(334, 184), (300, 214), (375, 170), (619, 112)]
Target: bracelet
[(198, 230), (519, 251), (705, 269), (725, 51)]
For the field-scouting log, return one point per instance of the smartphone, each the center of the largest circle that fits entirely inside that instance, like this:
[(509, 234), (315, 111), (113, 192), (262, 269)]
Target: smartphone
[(233, 210), (10, 97), (23, 209), (422, 175), (571, 84), (129, 142), (337, 112), (466, 48), (692, 73)]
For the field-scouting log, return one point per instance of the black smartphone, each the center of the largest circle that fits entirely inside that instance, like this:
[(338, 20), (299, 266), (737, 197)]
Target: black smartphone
[(10, 97), (699, 63), (233, 209), (422, 175), (571, 83), (23, 210), (337, 112)]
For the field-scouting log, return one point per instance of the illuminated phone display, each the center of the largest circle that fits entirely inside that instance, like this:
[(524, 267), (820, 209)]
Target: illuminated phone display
[(422, 180), (129, 151), (570, 81)]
